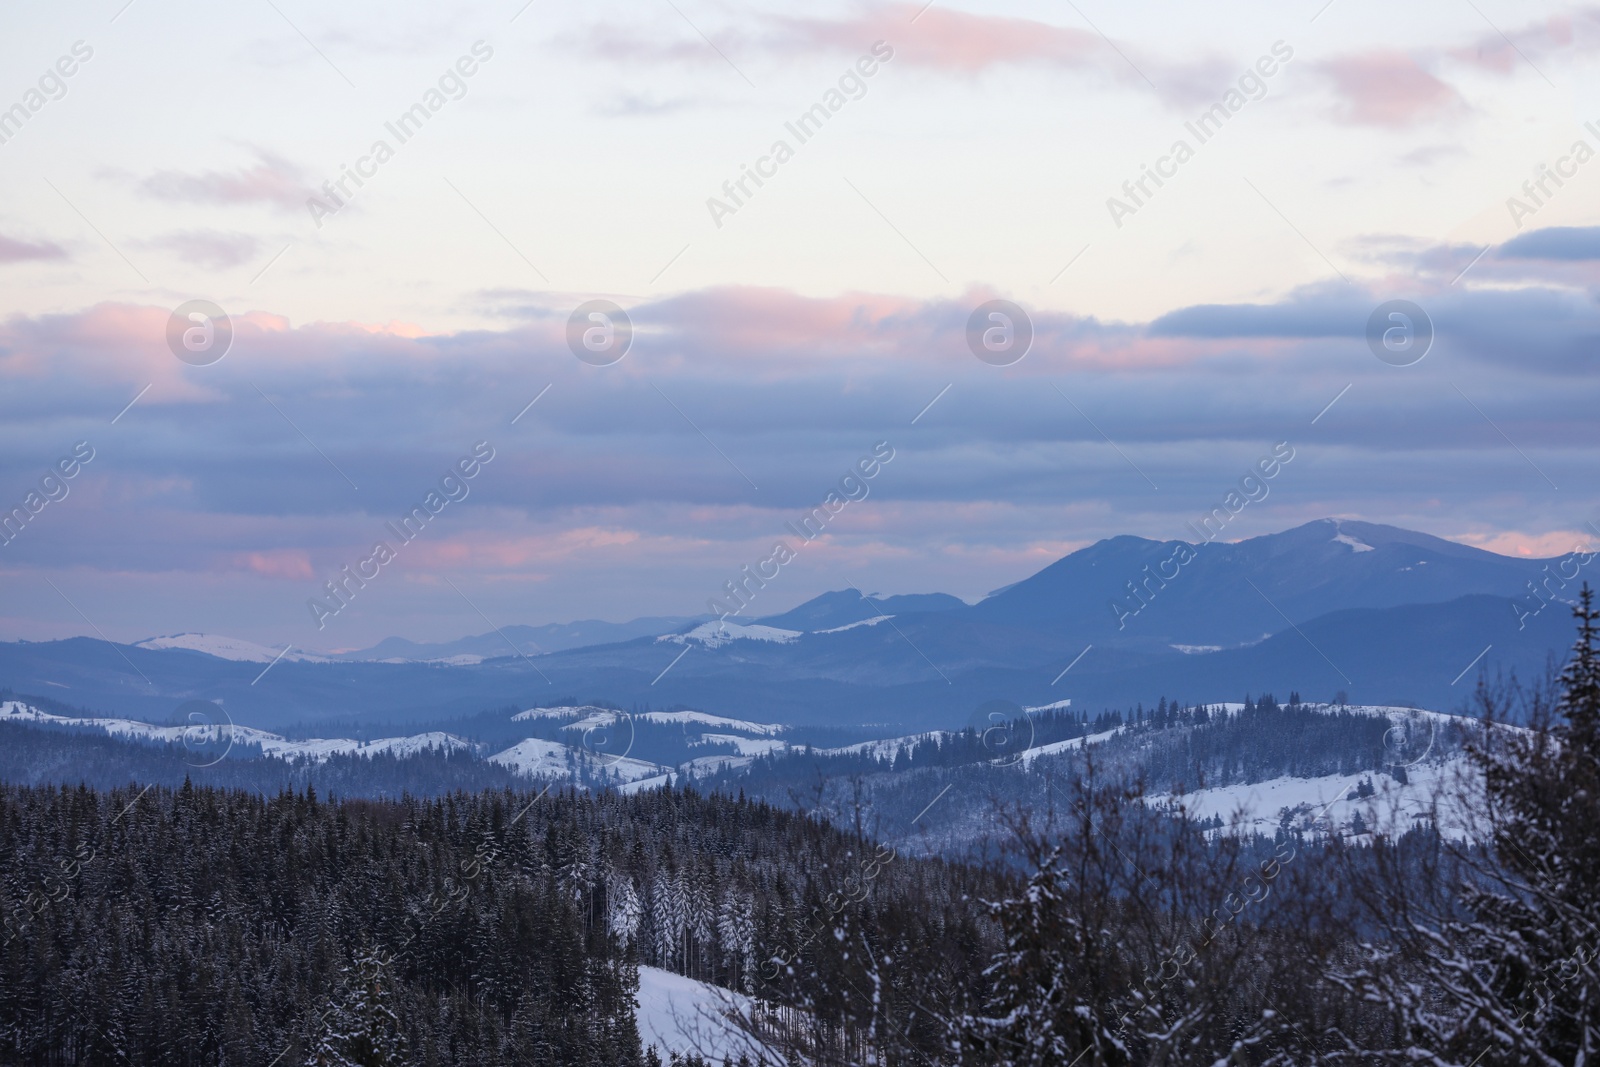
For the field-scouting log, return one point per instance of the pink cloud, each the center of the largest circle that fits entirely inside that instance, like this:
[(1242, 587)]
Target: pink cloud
[(1573, 30), (946, 39), (920, 35), (15, 251), (1388, 88), (779, 332), (279, 563), (1530, 545), (272, 180)]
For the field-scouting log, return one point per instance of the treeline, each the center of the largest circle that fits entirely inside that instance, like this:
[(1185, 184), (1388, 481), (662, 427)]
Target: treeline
[(47, 754)]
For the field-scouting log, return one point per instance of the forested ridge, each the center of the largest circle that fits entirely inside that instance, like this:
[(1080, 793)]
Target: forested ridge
[(204, 926), (198, 925)]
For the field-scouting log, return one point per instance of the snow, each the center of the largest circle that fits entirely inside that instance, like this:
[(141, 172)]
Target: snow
[(746, 746), (1258, 807), (1057, 706), (678, 1014), (555, 713), (701, 766), (643, 785), (703, 719), (1356, 545), (536, 757), (231, 648), (885, 749), (545, 759), (1063, 746), (271, 744), (590, 717), (717, 634), (853, 625), (1197, 650)]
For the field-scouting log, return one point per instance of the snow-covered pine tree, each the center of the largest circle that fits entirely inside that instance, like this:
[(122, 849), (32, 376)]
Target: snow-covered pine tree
[(1495, 957), (667, 918), (362, 1029), (736, 930), (623, 907)]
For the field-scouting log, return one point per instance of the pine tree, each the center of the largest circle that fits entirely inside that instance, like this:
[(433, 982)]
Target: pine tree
[(1516, 978), (362, 1029), (623, 908)]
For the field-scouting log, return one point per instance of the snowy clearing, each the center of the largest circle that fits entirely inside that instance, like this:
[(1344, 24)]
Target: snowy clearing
[(678, 1014), (546, 759), (717, 634), (1325, 804)]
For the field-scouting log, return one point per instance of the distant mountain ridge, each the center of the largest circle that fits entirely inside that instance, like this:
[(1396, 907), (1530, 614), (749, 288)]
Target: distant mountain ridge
[(1388, 615), (1130, 590), (520, 640)]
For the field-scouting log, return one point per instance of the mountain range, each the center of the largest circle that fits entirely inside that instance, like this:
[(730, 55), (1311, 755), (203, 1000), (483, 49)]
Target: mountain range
[(1380, 614)]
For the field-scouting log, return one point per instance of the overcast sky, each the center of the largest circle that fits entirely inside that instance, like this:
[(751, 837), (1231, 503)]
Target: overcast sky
[(1355, 153)]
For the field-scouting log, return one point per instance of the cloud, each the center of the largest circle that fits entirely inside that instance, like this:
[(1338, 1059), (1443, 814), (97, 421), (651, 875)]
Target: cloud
[(1576, 30), (1554, 242), (290, 564), (208, 509), (1319, 311), (933, 37), (1529, 329), (1388, 88), (272, 180), (208, 248), (943, 38), (1529, 545), (15, 251)]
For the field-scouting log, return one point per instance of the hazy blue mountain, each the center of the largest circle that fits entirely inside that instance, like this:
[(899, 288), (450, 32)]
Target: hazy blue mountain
[(1232, 594), (525, 640), (848, 606), (1384, 614)]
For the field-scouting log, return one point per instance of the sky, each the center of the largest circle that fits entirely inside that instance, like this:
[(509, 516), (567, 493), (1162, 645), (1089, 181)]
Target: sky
[(1202, 214)]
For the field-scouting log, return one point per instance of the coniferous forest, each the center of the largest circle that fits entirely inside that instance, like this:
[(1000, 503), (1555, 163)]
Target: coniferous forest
[(198, 924)]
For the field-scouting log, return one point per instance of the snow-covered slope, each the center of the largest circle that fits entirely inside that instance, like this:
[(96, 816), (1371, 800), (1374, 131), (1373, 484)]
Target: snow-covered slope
[(548, 759), (717, 634), (556, 713), (1063, 746), (678, 1014), (226, 648), (271, 744), (700, 718), (886, 749), (588, 716), (564, 755), (747, 746), (852, 625), (1331, 804)]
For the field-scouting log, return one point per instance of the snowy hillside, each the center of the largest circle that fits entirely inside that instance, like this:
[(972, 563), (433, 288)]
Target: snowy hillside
[(589, 715), (1334, 804), (271, 744), (548, 759), (231, 648), (717, 634), (678, 1014)]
